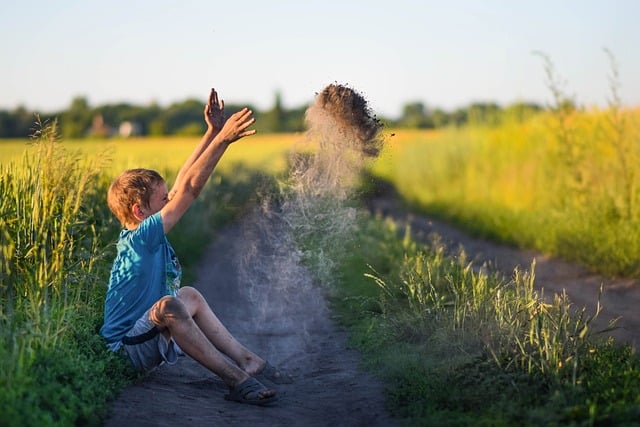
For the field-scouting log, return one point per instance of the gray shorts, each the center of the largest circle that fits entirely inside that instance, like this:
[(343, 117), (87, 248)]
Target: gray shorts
[(150, 354)]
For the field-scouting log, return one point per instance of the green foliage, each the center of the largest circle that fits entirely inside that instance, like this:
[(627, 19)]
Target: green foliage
[(16, 124), (272, 120), (77, 119), (67, 384), (415, 115), (80, 119), (115, 114), (458, 347), (48, 248), (192, 129), (54, 369)]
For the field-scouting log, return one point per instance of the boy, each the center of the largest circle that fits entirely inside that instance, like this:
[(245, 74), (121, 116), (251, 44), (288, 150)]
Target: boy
[(146, 312)]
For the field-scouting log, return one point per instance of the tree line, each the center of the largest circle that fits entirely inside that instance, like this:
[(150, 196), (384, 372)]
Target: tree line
[(81, 120)]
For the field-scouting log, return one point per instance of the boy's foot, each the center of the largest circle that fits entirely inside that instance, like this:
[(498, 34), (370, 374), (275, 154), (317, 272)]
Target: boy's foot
[(253, 392), (274, 375)]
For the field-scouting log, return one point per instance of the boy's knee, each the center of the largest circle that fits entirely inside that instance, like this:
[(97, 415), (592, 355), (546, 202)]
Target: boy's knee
[(189, 293), (168, 309)]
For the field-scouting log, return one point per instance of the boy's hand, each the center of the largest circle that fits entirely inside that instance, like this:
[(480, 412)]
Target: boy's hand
[(236, 126), (214, 112)]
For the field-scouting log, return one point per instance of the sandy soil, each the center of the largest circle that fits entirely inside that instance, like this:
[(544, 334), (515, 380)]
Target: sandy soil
[(288, 323)]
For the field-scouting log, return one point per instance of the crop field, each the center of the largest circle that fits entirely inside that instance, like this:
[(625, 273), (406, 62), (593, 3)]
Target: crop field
[(567, 184), (264, 152)]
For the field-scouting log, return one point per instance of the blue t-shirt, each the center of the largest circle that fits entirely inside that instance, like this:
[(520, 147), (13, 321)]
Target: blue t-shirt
[(145, 269)]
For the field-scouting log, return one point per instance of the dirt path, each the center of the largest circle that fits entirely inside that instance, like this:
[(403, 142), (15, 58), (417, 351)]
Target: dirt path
[(289, 324), (620, 298)]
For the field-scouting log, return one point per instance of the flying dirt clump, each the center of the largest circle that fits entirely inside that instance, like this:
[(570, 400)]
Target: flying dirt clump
[(345, 111), (345, 134)]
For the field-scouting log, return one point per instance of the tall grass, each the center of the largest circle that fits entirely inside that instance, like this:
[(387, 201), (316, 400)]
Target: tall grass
[(51, 223), (458, 345), (440, 299), (48, 248)]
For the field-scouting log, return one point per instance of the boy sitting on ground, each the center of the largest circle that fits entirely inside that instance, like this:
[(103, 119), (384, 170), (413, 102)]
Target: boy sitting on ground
[(147, 314)]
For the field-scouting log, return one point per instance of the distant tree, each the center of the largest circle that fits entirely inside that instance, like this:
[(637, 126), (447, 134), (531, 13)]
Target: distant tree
[(157, 127), (140, 117), (521, 111), (77, 119), (483, 113), (440, 118), (190, 129), (17, 123), (459, 117), (181, 114), (6, 124), (415, 115), (294, 119), (146, 116), (274, 119)]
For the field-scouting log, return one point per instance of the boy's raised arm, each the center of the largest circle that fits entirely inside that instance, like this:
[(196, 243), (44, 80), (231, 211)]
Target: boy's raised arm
[(195, 176), (214, 117)]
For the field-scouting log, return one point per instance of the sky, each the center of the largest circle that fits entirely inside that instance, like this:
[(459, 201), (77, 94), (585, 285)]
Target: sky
[(446, 54)]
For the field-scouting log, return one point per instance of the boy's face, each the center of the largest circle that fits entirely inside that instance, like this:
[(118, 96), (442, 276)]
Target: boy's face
[(159, 198)]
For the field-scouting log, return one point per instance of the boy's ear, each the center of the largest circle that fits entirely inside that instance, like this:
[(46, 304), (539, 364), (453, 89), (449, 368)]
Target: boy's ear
[(137, 212)]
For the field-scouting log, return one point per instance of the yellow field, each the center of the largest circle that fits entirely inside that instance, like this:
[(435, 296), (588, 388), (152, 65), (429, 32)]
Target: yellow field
[(566, 183), (265, 152)]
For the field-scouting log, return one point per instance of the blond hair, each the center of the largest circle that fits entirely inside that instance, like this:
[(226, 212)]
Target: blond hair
[(133, 186)]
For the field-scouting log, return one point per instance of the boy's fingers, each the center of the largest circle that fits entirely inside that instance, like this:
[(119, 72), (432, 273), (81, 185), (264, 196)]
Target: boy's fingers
[(244, 113)]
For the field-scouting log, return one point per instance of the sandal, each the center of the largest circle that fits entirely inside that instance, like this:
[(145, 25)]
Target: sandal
[(272, 374), (250, 391)]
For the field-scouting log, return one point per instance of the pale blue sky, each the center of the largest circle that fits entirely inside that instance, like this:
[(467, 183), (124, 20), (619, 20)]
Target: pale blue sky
[(445, 53)]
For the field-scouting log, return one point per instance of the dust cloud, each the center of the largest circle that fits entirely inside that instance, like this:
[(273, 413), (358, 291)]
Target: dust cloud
[(314, 204)]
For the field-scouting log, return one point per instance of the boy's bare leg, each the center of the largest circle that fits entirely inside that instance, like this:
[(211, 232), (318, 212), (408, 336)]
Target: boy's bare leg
[(171, 314), (217, 333)]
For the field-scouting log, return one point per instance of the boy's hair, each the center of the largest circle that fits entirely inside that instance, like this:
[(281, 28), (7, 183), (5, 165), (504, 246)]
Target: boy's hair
[(130, 187)]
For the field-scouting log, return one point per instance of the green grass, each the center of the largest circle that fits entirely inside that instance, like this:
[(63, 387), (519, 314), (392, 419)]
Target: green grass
[(461, 348), (54, 369)]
